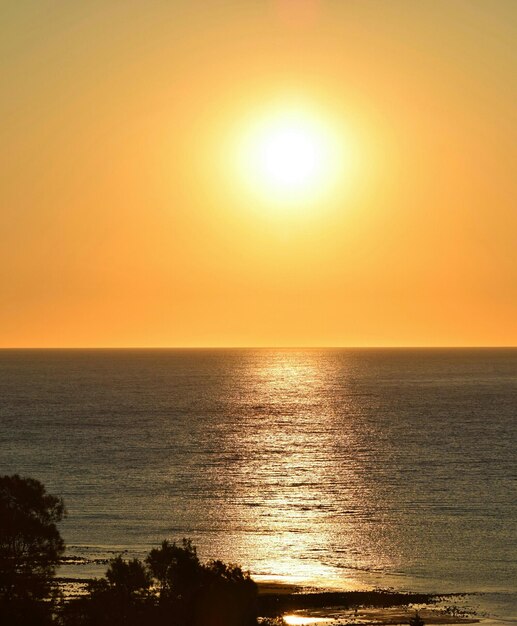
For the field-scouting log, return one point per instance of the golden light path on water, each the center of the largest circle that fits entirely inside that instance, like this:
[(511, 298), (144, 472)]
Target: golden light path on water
[(295, 506), (303, 482)]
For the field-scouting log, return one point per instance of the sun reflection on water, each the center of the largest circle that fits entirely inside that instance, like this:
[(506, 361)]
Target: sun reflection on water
[(296, 497), (295, 493)]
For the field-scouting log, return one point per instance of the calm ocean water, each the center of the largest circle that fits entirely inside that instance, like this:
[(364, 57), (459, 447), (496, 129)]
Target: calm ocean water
[(343, 468)]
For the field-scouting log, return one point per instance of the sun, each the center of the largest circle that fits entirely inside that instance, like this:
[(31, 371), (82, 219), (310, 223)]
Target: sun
[(291, 155), (289, 158)]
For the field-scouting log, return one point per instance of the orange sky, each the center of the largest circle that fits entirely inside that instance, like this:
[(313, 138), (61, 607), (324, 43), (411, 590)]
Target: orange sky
[(123, 220)]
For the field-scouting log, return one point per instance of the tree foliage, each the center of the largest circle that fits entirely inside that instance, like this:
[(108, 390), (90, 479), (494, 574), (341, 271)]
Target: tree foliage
[(172, 587), (129, 579), (176, 569), (30, 544)]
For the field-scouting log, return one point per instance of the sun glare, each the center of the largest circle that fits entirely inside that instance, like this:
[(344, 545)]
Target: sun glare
[(290, 155), (301, 620), (290, 158)]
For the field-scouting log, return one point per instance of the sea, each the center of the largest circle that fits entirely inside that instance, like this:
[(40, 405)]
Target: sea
[(328, 468)]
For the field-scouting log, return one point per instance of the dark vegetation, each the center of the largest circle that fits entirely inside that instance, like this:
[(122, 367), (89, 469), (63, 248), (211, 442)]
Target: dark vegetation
[(30, 548), (170, 587)]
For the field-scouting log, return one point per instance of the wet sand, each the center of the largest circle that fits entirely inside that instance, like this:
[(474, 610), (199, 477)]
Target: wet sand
[(386, 608)]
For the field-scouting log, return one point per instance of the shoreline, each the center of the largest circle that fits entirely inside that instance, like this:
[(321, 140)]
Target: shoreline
[(379, 606), (308, 605)]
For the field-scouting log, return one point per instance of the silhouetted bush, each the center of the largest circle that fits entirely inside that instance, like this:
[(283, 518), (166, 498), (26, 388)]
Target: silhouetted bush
[(172, 588), (228, 597), (121, 598), (177, 571), (128, 579)]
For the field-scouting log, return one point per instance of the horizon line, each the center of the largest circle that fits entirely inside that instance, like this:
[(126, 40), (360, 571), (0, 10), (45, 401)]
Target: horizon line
[(287, 347)]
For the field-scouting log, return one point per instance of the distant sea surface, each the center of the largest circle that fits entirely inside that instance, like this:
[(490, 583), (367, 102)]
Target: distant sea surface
[(336, 468)]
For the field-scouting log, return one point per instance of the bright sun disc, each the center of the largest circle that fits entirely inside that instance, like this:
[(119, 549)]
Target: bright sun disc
[(289, 158)]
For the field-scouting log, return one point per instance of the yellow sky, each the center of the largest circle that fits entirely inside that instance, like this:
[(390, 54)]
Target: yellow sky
[(124, 219)]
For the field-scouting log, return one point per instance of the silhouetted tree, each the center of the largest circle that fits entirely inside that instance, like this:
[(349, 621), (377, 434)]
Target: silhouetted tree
[(228, 597), (30, 548), (176, 568), (175, 589), (122, 598), (128, 578), (179, 575)]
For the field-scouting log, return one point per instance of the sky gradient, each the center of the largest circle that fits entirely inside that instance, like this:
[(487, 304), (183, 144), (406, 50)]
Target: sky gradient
[(123, 217)]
